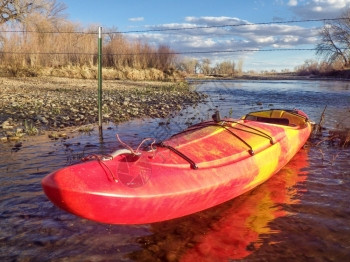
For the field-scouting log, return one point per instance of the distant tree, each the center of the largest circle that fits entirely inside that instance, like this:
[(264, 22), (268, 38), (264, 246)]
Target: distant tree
[(239, 67), (166, 57), (205, 66), (188, 65), (335, 40), (225, 68)]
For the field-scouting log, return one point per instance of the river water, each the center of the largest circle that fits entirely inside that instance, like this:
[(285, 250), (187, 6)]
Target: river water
[(301, 214)]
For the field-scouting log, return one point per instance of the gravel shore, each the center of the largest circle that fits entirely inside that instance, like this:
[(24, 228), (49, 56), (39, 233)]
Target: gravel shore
[(29, 106)]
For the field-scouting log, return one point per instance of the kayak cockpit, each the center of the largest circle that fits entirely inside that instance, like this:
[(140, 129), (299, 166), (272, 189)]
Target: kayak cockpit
[(293, 118)]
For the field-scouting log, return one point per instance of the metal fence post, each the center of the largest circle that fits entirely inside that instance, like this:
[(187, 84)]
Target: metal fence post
[(100, 82)]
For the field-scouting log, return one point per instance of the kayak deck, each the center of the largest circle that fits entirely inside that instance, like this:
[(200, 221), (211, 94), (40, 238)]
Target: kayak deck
[(203, 166)]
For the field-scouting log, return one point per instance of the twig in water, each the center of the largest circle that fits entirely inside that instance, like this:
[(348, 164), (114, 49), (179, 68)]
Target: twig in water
[(320, 123), (321, 153), (335, 157)]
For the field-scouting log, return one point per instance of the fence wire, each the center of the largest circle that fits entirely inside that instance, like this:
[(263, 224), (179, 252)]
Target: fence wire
[(178, 28), (175, 53)]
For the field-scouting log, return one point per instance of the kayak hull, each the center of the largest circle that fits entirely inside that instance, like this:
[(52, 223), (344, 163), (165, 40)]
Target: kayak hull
[(159, 185)]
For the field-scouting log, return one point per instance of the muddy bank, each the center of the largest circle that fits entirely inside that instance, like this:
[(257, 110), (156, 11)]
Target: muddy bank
[(29, 106)]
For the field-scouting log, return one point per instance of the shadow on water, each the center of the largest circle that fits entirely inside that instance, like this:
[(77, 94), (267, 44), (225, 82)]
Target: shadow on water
[(300, 214)]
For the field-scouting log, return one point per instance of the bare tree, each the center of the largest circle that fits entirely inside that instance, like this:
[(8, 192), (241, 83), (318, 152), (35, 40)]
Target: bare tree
[(205, 66), (188, 65), (335, 40), (165, 57), (18, 10), (13, 10), (225, 68), (239, 66)]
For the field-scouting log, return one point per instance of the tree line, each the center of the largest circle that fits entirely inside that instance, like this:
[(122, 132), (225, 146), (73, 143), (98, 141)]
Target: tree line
[(225, 68)]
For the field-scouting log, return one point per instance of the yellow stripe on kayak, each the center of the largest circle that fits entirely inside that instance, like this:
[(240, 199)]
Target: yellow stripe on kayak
[(267, 165)]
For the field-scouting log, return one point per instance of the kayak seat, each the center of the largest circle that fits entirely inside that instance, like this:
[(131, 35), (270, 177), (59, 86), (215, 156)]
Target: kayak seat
[(277, 113), (271, 120)]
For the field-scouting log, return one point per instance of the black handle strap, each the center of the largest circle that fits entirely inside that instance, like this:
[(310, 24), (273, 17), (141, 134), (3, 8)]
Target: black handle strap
[(192, 163)]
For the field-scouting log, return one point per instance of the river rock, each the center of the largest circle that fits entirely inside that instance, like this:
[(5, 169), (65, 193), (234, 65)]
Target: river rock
[(42, 119), (51, 106), (7, 126)]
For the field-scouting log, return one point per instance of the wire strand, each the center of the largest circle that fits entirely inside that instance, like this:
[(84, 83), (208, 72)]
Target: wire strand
[(178, 28), (228, 25), (173, 53)]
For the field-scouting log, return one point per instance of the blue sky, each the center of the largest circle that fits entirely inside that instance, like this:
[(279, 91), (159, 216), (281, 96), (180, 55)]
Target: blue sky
[(131, 15)]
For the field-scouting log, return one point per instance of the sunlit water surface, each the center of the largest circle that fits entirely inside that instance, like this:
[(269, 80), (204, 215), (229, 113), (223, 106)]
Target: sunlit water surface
[(300, 214)]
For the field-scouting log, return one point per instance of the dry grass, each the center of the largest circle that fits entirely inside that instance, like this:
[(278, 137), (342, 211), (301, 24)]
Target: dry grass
[(90, 72), (323, 69), (36, 51)]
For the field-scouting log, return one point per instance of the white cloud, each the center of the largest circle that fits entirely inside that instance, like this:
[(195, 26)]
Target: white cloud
[(213, 33), (215, 20), (136, 19), (206, 34), (315, 9), (293, 2)]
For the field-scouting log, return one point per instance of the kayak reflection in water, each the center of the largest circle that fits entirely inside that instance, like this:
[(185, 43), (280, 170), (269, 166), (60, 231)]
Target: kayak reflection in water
[(233, 230)]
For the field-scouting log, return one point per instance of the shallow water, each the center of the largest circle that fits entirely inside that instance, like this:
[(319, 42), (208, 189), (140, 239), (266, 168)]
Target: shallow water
[(300, 214)]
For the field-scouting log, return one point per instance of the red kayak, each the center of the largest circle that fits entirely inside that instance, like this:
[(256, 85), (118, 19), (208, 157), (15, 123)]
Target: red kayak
[(203, 166)]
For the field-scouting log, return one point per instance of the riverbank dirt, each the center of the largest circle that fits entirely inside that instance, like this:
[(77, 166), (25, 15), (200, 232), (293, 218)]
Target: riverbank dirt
[(29, 106)]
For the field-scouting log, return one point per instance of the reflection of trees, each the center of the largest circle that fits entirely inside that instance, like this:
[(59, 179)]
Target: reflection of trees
[(227, 231)]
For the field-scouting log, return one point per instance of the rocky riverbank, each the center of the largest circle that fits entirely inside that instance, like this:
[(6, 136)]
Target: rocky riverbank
[(29, 106)]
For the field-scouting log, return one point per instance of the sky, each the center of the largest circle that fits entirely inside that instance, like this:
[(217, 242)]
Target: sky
[(271, 27)]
